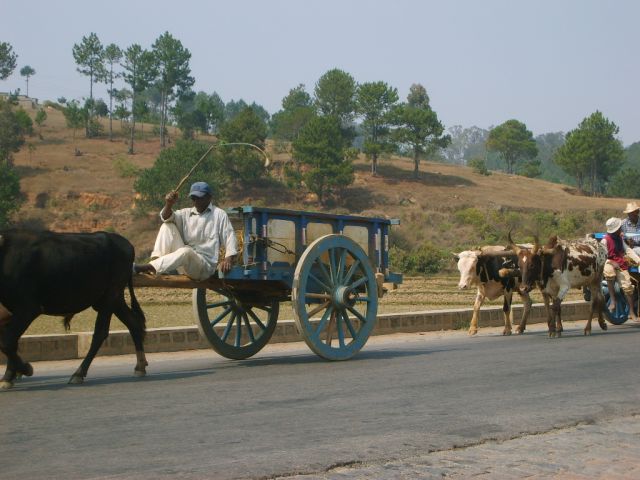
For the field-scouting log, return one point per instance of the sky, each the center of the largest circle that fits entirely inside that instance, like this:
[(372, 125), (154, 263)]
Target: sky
[(546, 63)]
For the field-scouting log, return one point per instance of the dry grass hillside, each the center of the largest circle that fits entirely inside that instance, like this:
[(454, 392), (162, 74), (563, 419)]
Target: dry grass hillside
[(66, 192)]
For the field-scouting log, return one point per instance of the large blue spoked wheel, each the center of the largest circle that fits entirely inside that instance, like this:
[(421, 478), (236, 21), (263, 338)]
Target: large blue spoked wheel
[(334, 297), (236, 328), (622, 307)]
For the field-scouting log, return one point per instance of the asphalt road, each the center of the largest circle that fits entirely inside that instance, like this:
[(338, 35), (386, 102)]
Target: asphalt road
[(287, 413)]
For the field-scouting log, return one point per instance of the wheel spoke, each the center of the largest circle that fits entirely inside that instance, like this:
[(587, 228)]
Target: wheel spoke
[(322, 296), (221, 316), (219, 304), (227, 330), (357, 314), (312, 276), (325, 273), (323, 321), (239, 330), (317, 309), (351, 271), (330, 327), (347, 322), (358, 282), (339, 328), (249, 329), (256, 319), (332, 265), (362, 299), (342, 265)]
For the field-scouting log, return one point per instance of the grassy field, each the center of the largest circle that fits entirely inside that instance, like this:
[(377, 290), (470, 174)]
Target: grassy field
[(172, 307)]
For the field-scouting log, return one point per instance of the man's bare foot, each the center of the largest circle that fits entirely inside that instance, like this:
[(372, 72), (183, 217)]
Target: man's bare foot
[(143, 268)]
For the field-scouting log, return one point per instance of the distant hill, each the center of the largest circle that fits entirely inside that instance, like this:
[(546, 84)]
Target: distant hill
[(91, 191)]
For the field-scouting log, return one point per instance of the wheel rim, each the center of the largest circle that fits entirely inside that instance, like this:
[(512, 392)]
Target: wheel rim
[(335, 297), (236, 328), (622, 307)]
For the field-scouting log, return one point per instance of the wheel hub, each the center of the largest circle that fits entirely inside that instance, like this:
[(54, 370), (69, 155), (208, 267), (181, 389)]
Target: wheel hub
[(344, 297)]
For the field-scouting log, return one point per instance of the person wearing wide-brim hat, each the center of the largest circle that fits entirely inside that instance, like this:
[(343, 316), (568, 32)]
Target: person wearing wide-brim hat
[(616, 267), (631, 226)]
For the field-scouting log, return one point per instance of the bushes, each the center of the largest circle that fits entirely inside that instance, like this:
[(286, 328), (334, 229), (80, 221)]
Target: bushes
[(427, 259)]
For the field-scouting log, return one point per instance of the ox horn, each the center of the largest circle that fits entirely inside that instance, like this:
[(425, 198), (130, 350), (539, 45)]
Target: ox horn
[(512, 244), (536, 244)]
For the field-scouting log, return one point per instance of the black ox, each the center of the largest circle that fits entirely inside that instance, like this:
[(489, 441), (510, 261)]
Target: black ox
[(62, 274)]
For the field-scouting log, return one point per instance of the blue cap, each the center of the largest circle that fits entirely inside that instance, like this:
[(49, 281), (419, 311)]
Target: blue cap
[(200, 189)]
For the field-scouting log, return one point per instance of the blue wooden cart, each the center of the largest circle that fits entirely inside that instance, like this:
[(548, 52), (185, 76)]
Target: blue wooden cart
[(331, 268)]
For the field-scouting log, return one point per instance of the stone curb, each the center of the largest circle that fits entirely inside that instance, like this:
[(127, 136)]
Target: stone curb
[(172, 339)]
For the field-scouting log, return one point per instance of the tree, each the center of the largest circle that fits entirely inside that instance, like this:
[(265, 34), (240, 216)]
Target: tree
[(374, 102), (233, 108), (74, 116), (41, 117), (591, 153), (27, 72), (243, 164), (112, 56), (297, 110), (335, 95), (320, 151), (10, 198), (8, 60), (169, 168), (210, 110), (418, 127), (11, 134), (139, 71), (186, 115), (172, 61), (625, 183), (466, 143), (89, 56), (513, 142)]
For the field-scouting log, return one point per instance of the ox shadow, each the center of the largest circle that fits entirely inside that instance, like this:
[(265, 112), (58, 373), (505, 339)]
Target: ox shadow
[(58, 382)]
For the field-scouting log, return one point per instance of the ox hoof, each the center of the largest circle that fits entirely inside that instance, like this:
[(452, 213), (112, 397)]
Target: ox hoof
[(506, 332), (471, 333), (5, 385), (76, 380), (27, 371), (140, 373)]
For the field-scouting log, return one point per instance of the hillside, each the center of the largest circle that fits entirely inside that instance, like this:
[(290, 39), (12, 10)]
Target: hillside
[(66, 192)]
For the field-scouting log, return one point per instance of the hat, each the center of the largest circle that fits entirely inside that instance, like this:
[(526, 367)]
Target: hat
[(200, 189), (613, 225), (631, 207)]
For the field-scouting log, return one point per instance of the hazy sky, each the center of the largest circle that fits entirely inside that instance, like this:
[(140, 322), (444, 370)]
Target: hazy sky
[(547, 63)]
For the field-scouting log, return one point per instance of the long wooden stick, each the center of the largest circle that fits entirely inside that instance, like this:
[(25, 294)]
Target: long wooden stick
[(267, 161)]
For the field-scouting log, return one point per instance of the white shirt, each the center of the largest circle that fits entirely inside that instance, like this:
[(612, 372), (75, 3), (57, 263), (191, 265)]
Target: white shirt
[(205, 231)]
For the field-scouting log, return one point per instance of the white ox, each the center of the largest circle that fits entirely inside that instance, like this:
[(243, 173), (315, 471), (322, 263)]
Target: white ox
[(490, 269)]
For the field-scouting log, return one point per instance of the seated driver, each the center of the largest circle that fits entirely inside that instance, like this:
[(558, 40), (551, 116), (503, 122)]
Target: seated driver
[(189, 239)]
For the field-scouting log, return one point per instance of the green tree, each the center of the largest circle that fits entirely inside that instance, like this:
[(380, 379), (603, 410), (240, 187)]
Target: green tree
[(27, 72), (139, 71), (418, 127), (89, 56), (513, 142), (172, 61), (11, 133), (187, 117), (374, 102), (74, 116), (169, 168), (41, 117), (112, 57), (210, 110), (243, 164), (8, 60), (233, 108), (320, 151), (591, 153), (10, 198), (625, 183), (335, 95), (297, 110)]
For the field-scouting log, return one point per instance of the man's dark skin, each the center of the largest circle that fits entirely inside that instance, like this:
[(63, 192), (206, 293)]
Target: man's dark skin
[(200, 204)]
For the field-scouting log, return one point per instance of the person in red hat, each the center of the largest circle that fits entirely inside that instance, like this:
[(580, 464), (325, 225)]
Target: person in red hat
[(189, 239)]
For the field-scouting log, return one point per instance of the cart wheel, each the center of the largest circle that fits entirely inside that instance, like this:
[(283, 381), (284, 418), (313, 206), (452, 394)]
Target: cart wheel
[(334, 297), (235, 329), (622, 307)]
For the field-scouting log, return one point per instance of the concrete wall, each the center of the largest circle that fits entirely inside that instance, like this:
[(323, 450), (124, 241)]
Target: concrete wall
[(76, 345)]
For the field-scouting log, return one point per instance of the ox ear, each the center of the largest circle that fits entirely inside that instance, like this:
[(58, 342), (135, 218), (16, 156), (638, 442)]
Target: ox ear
[(456, 256)]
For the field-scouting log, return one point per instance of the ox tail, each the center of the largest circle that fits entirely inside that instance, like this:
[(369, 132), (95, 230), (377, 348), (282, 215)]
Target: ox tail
[(135, 306)]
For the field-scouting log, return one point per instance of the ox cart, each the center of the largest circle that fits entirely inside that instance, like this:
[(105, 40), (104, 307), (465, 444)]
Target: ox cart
[(621, 313), (331, 267)]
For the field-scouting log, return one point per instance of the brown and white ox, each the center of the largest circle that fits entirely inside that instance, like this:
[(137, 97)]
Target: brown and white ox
[(559, 266), (490, 269)]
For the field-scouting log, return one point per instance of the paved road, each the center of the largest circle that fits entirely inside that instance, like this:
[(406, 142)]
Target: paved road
[(431, 405)]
